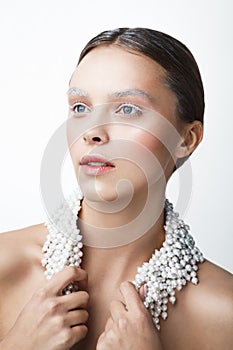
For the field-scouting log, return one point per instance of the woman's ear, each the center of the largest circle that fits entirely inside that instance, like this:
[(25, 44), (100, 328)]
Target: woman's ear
[(190, 138)]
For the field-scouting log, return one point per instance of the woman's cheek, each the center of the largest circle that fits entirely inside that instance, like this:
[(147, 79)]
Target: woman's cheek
[(155, 146)]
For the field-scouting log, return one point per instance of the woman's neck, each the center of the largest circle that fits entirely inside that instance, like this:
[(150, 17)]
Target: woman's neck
[(130, 241), (122, 262)]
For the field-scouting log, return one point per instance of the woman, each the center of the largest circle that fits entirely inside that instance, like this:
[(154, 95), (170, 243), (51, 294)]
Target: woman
[(136, 112)]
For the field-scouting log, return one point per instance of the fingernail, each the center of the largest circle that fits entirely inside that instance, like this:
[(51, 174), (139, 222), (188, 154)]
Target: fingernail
[(145, 290)]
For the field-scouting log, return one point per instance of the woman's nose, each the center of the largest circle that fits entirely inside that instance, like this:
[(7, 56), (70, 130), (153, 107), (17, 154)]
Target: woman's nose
[(96, 136)]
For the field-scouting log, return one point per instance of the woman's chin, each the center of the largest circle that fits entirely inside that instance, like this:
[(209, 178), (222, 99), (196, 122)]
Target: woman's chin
[(106, 199)]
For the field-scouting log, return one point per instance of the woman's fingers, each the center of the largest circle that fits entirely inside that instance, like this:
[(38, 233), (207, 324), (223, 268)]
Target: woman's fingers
[(77, 300), (76, 317), (78, 333), (108, 325), (63, 278), (130, 326), (131, 297), (117, 310), (52, 318)]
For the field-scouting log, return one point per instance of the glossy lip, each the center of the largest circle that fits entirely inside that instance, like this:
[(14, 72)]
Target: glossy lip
[(95, 170)]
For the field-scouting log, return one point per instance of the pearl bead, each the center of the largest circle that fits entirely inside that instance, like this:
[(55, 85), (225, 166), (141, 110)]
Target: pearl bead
[(172, 299)]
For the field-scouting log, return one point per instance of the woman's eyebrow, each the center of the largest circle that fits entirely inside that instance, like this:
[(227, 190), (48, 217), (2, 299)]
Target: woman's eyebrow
[(116, 94), (131, 92), (77, 92)]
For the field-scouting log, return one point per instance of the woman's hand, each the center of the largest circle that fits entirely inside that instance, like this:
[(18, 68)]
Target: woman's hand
[(130, 326), (50, 320)]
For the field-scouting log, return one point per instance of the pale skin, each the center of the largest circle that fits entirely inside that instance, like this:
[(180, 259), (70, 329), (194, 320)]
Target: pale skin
[(107, 312)]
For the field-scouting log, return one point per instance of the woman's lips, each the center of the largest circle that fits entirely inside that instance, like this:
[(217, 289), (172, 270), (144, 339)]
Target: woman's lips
[(95, 165)]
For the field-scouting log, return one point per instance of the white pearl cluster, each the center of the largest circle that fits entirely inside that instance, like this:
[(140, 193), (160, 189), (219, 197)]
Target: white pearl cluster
[(64, 241), (169, 268)]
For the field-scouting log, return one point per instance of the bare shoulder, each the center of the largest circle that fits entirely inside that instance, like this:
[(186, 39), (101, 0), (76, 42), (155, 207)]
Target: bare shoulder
[(17, 246), (214, 295), (202, 317), (211, 307)]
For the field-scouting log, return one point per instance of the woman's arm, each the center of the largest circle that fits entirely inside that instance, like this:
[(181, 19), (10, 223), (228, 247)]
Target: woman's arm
[(51, 320)]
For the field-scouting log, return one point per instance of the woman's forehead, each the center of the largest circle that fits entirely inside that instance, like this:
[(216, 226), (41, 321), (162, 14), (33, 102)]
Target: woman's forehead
[(110, 60)]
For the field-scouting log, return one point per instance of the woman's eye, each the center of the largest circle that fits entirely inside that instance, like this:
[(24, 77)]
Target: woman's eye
[(129, 110), (79, 108)]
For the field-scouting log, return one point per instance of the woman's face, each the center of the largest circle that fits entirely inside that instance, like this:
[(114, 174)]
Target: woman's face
[(125, 114)]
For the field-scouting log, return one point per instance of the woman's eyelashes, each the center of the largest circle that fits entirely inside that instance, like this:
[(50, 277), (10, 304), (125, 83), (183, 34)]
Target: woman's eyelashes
[(127, 110), (79, 108)]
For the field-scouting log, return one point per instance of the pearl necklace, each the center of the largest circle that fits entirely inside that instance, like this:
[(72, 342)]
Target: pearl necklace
[(168, 270)]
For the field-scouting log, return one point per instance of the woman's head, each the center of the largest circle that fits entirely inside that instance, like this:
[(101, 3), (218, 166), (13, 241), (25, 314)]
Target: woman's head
[(131, 72)]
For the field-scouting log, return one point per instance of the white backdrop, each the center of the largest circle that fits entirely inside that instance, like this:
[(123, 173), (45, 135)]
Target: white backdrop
[(40, 43)]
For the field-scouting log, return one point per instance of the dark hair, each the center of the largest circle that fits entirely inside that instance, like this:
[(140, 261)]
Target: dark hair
[(182, 73)]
